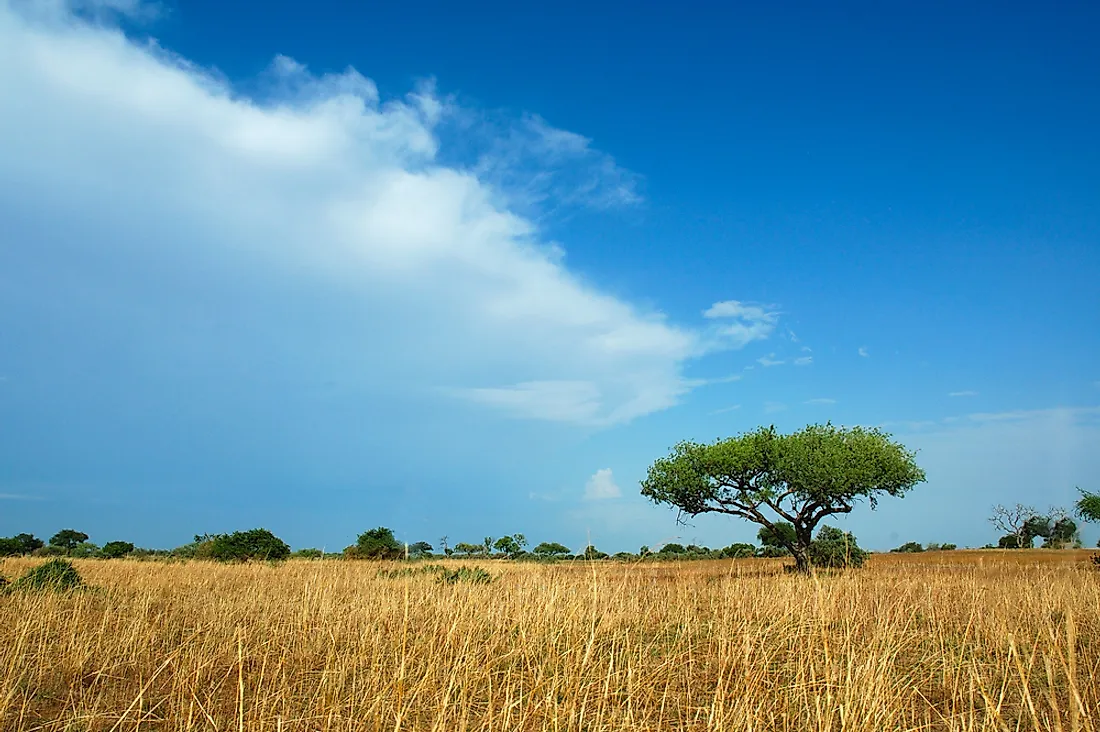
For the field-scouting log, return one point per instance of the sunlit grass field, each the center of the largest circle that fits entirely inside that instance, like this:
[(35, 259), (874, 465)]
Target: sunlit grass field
[(938, 641)]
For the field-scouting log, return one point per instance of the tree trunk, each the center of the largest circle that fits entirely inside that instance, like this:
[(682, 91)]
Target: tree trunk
[(801, 559)]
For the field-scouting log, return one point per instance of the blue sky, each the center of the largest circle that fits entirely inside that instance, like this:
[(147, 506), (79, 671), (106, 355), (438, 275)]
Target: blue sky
[(468, 270)]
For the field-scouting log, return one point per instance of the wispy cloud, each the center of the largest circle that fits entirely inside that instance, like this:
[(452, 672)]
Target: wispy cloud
[(769, 361), (966, 393), (773, 407), (725, 410), (741, 323), (863, 352), (820, 400), (601, 486), (803, 361)]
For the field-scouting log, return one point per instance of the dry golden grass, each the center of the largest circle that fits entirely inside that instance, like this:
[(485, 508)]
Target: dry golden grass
[(950, 641)]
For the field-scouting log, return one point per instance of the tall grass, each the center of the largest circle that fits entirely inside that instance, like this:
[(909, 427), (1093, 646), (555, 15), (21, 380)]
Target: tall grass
[(952, 641)]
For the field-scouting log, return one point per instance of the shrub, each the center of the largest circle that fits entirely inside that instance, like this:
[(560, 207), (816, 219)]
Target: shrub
[(909, 547), (738, 550), (472, 575), (308, 554), (835, 549), (57, 574), (672, 548), (948, 547), (116, 549), (20, 544), (375, 544), (241, 546)]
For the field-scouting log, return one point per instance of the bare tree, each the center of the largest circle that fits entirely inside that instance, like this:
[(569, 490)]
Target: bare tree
[(1013, 521)]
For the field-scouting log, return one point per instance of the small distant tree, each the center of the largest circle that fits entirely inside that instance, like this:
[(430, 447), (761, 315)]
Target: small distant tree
[(644, 551), (20, 545), (1063, 533), (307, 553), (376, 543), (550, 549), (463, 547), (420, 549), (511, 545), (948, 547), (67, 539), (116, 549), (444, 546), (909, 547), (25, 544), (738, 551), (672, 548), (242, 546), (1013, 521), (591, 552), (83, 550)]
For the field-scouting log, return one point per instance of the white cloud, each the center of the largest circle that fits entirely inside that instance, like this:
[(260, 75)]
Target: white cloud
[(967, 393), (863, 352), (421, 257), (725, 410), (601, 486), (746, 323), (770, 360), (820, 401), (803, 361)]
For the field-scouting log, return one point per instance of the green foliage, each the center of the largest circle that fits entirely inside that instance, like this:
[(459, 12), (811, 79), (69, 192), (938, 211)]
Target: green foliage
[(83, 550), (309, 553), (780, 534), (468, 549), (242, 546), (58, 575), (1009, 541), (1063, 533), (420, 549), (672, 548), (550, 549), (909, 547), (408, 571), (738, 550), (773, 552), (377, 543), (511, 545), (471, 575), (1087, 507), (835, 549), (801, 478), (948, 547), (591, 552), (68, 539), (20, 544), (116, 549)]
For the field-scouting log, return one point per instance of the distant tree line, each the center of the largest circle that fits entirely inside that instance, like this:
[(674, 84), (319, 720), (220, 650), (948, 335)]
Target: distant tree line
[(830, 547)]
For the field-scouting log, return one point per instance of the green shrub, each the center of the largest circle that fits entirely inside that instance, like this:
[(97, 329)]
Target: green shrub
[(116, 549), (835, 549), (241, 546), (375, 544), (472, 575), (909, 547), (57, 574), (412, 571), (738, 550)]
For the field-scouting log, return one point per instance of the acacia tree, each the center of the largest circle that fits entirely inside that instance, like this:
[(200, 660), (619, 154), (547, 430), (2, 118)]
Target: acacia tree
[(801, 478)]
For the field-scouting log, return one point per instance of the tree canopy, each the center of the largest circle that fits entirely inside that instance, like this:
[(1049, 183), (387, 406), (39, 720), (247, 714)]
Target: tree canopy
[(67, 539), (767, 477), (1088, 506)]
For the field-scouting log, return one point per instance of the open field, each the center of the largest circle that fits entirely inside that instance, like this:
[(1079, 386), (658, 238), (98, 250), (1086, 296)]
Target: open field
[(940, 641)]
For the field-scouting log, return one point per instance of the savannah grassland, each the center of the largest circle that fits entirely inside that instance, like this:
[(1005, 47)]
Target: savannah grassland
[(941, 641)]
